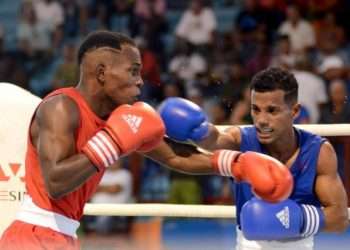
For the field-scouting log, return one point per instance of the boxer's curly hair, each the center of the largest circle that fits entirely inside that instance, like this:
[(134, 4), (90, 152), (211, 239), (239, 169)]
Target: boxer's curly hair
[(275, 78), (100, 39)]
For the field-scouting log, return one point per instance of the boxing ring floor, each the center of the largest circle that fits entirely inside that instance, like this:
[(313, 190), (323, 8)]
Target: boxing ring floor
[(193, 234)]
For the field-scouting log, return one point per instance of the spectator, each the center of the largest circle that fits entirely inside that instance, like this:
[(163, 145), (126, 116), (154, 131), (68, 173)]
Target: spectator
[(67, 73), (71, 18), (11, 70), (186, 64), (197, 26), (327, 29), (150, 71), (34, 37), (299, 30), (241, 112), (151, 23), (262, 56), (312, 89), (235, 82), (115, 187), (155, 182), (338, 109), (50, 13), (249, 17), (283, 57)]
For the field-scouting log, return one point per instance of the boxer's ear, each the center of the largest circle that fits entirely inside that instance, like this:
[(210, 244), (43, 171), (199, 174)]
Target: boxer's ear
[(100, 73), (296, 110)]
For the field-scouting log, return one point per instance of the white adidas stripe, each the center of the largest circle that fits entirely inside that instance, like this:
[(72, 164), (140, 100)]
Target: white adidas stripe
[(104, 149), (98, 151), (225, 162), (311, 220), (112, 151)]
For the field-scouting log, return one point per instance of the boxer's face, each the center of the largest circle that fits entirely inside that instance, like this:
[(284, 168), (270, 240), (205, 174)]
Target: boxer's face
[(122, 76), (272, 116)]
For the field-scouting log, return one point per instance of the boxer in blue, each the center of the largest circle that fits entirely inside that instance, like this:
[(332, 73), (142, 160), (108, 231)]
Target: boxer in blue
[(318, 200)]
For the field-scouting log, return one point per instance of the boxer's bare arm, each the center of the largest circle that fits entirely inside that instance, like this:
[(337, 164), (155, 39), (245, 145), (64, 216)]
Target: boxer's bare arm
[(330, 191), (228, 139), (181, 157), (53, 135)]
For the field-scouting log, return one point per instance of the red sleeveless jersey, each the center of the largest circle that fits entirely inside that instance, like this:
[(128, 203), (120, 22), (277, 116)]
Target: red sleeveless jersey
[(72, 204)]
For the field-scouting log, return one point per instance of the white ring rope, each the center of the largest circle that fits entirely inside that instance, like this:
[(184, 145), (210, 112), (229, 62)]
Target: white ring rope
[(198, 211), (163, 210)]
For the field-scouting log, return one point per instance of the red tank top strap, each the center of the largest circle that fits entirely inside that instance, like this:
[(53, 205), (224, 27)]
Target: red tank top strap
[(78, 98)]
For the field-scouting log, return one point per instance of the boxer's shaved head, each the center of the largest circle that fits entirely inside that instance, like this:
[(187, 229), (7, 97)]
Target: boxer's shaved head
[(103, 39)]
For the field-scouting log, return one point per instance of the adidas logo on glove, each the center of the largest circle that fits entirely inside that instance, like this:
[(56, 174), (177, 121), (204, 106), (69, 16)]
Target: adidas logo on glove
[(283, 217), (133, 121)]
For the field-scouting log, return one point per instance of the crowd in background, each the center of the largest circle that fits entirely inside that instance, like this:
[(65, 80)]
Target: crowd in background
[(188, 51)]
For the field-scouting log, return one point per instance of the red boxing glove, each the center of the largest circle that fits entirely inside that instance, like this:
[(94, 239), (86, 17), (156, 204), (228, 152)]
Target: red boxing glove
[(270, 179), (128, 129)]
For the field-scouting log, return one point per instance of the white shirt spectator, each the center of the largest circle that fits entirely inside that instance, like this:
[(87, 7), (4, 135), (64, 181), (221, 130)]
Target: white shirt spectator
[(197, 29), (312, 93), (186, 67), (330, 62), (49, 12), (120, 177), (301, 35), (37, 35)]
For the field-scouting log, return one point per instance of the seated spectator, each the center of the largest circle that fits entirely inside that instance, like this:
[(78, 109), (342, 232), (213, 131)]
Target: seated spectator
[(115, 187), (152, 90), (197, 26), (186, 64), (11, 68), (50, 13), (34, 38), (299, 30), (327, 28), (151, 23), (241, 112), (338, 108), (311, 88), (283, 55), (67, 72), (155, 183)]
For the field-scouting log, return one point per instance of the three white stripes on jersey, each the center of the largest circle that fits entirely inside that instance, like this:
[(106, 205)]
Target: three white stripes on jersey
[(103, 146)]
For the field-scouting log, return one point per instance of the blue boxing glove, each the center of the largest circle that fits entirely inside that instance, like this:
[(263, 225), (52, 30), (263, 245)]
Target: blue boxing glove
[(261, 220), (183, 119)]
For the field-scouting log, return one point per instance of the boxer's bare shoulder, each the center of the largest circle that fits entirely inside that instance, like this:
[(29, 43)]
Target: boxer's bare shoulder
[(57, 111)]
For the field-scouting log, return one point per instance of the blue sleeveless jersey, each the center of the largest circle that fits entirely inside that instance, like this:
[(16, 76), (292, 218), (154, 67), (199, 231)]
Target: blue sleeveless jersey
[(303, 168)]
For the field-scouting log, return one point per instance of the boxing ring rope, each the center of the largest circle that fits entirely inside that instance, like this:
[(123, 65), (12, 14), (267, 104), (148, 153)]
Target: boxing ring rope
[(198, 211), (163, 210)]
